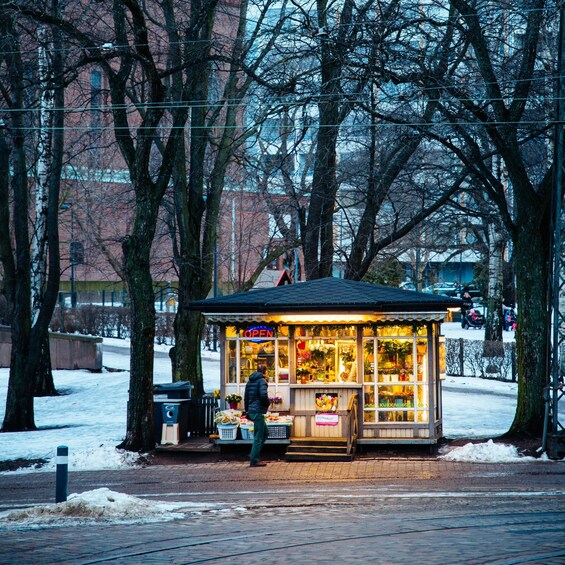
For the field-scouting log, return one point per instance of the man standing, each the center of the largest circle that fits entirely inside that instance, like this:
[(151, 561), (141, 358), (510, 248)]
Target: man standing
[(256, 405)]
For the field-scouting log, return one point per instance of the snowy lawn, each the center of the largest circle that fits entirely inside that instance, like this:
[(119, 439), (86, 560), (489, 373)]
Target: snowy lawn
[(90, 414)]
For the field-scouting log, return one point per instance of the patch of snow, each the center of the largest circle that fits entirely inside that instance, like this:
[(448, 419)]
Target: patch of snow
[(99, 506), (488, 452), (454, 330)]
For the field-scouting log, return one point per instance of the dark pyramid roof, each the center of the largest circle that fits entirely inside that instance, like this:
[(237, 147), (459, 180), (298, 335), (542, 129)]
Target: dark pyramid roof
[(328, 294)]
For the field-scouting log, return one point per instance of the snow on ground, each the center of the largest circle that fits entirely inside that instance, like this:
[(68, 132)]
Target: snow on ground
[(90, 414), (488, 452), (477, 408), (103, 506)]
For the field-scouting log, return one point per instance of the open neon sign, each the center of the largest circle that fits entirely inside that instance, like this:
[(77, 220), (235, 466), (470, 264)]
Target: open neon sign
[(258, 333)]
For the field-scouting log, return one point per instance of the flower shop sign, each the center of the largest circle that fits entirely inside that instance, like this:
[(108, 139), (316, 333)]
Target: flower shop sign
[(326, 409)]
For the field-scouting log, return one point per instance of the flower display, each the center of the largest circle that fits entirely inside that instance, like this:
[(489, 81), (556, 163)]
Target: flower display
[(274, 418), (233, 397), (226, 417), (275, 400), (321, 347), (326, 403)]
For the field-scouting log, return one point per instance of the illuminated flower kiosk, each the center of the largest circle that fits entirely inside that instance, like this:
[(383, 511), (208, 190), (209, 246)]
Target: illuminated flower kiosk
[(349, 360)]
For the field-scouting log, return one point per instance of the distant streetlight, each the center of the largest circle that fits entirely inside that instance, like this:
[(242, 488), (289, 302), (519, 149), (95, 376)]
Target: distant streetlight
[(214, 327), (72, 251)]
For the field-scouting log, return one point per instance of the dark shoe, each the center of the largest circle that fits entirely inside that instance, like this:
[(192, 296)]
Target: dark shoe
[(257, 464)]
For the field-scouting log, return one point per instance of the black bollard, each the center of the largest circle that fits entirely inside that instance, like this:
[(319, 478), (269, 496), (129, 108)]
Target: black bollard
[(62, 475)]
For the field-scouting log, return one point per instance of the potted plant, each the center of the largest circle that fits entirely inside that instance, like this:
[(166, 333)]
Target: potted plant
[(233, 400), (275, 400)]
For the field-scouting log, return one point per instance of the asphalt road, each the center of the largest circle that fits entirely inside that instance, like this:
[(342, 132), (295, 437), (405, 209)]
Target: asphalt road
[(383, 510)]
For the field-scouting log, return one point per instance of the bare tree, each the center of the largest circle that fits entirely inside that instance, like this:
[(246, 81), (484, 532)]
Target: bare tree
[(16, 262), (138, 86), (500, 100)]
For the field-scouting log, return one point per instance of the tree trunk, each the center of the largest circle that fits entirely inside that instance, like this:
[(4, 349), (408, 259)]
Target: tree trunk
[(19, 414), (137, 247), (493, 330), (531, 252), (43, 383), (317, 241), (188, 362), (43, 172), (46, 268)]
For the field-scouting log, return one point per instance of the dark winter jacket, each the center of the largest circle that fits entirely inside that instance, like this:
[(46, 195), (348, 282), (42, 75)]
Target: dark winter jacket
[(256, 394)]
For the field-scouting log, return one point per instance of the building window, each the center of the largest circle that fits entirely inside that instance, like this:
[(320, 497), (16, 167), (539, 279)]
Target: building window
[(95, 116)]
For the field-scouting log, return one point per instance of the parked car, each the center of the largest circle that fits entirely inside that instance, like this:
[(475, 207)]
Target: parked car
[(448, 289)]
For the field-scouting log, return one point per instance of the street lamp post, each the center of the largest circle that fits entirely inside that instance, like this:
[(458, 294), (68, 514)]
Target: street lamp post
[(73, 259), (553, 440), (72, 251), (215, 327)]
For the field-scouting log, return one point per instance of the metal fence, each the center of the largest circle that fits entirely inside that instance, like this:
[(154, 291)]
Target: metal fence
[(478, 358), (201, 415)]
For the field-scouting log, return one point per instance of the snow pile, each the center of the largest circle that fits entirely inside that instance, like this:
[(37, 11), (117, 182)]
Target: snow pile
[(489, 452), (95, 507), (103, 457)]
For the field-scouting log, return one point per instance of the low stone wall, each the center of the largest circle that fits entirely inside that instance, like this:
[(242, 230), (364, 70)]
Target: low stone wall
[(68, 351)]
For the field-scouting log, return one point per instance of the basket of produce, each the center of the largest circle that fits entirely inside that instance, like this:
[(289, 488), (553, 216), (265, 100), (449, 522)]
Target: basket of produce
[(278, 427)]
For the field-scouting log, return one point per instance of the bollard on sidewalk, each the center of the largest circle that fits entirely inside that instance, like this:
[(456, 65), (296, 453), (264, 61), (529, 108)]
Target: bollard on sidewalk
[(62, 474)]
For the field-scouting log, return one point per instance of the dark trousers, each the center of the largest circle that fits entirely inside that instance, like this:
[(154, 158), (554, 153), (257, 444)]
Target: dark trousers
[(259, 435)]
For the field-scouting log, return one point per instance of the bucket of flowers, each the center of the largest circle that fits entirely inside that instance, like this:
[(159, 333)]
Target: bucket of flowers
[(275, 401), (227, 422), (233, 400)]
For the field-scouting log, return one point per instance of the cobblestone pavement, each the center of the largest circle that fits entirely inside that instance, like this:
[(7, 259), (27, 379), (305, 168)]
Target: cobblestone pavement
[(381, 510)]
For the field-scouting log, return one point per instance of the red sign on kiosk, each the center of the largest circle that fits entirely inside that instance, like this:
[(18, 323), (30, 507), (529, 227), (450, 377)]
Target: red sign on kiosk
[(258, 333)]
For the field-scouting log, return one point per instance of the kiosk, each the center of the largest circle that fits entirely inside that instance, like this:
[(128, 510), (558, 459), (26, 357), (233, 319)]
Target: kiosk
[(349, 359)]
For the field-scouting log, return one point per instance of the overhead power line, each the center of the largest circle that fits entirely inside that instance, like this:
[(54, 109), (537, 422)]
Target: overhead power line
[(297, 127)]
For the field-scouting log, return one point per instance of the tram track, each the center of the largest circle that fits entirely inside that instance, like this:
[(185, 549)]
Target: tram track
[(318, 536)]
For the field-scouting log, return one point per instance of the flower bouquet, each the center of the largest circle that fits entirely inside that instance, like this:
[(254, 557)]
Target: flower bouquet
[(227, 417), (319, 350)]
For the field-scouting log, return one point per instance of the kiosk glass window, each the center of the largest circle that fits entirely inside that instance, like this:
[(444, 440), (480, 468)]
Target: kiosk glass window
[(255, 345), (395, 381), (326, 354)]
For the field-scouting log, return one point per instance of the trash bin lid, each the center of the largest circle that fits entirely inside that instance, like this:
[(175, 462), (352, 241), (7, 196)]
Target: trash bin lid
[(167, 387)]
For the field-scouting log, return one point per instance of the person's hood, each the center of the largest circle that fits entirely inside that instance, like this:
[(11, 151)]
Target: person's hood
[(256, 376)]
